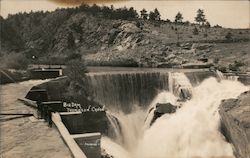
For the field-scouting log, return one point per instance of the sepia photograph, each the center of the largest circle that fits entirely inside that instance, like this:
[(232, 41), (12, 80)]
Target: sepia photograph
[(124, 79)]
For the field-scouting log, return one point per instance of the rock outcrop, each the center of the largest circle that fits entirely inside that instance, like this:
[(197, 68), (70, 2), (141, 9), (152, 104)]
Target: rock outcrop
[(235, 118), (161, 109)]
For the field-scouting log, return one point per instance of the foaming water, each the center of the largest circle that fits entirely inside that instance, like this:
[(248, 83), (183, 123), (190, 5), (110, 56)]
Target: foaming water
[(113, 148), (220, 75), (131, 127), (179, 85), (193, 131), (162, 97)]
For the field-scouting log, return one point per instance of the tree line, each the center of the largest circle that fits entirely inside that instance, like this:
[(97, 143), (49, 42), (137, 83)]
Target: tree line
[(119, 13), (131, 13)]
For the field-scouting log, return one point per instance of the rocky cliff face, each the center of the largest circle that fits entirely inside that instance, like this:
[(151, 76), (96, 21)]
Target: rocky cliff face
[(235, 117)]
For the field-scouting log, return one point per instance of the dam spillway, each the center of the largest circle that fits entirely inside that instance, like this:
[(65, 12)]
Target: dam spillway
[(121, 90)]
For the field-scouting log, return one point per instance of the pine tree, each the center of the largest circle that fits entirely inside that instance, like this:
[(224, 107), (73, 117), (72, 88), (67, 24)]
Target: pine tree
[(151, 15), (157, 14), (144, 14), (207, 24), (200, 18), (178, 18)]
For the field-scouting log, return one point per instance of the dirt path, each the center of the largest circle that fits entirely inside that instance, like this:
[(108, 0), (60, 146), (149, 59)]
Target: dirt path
[(24, 137)]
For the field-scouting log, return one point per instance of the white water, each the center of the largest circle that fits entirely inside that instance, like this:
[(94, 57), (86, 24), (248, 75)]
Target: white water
[(193, 131), (179, 82), (162, 97), (220, 75), (132, 127)]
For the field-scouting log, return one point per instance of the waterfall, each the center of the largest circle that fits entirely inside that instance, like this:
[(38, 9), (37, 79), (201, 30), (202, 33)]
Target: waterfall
[(180, 85), (115, 130), (121, 91), (131, 127), (233, 77), (193, 131), (220, 75)]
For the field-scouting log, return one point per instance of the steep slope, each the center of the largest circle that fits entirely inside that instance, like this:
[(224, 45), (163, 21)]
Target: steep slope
[(108, 37)]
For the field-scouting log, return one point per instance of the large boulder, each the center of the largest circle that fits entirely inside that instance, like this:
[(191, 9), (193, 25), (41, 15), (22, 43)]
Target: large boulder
[(235, 119), (161, 109), (130, 27)]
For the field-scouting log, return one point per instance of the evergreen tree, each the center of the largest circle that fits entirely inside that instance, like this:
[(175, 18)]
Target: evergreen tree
[(157, 14), (132, 13), (144, 14), (200, 18), (178, 18), (151, 15), (207, 24)]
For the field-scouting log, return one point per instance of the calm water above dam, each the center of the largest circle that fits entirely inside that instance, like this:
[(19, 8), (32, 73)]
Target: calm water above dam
[(109, 69)]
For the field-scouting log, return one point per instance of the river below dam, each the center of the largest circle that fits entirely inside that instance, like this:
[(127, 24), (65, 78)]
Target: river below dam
[(192, 131), (26, 137)]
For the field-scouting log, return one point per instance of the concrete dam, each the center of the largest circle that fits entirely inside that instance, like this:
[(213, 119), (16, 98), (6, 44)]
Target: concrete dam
[(156, 114), (123, 90)]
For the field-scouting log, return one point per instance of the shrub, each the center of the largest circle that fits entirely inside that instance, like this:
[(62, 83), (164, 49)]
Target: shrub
[(236, 66), (222, 68), (217, 26), (77, 81), (228, 36), (232, 67), (168, 21), (195, 31), (239, 63), (76, 69)]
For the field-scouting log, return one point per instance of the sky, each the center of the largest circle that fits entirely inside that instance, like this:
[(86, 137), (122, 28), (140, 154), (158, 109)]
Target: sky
[(227, 13)]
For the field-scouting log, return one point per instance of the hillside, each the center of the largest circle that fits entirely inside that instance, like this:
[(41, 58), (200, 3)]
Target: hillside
[(103, 39)]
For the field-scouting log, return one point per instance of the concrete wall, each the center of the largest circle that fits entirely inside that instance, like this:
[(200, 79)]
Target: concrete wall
[(90, 143), (73, 146), (45, 73), (37, 95), (78, 123), (86, 145)]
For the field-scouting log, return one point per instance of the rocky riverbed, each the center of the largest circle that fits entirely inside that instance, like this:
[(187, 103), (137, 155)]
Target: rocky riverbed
[(235, 117)]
